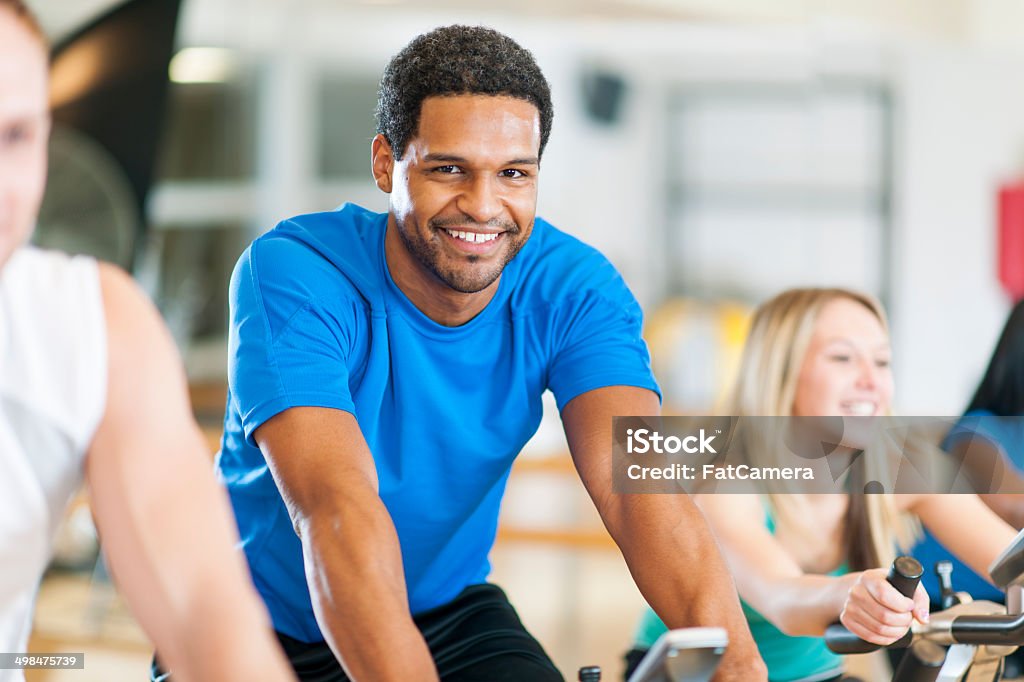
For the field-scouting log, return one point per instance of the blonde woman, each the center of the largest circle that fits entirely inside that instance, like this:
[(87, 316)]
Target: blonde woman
[(801, 562)]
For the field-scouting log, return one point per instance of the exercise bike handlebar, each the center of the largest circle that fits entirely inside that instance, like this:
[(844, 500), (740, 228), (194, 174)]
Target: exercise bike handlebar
[(904, 574), (954, 628), (991, 630)]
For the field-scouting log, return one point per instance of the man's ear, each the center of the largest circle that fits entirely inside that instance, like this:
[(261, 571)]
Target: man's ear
[(383, 163)]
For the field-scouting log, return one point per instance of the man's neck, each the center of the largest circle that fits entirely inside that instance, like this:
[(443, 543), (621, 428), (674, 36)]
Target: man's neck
[(430, 295)]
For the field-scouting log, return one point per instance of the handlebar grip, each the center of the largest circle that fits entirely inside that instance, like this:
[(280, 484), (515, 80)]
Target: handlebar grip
[(841, 641), (904, 574)]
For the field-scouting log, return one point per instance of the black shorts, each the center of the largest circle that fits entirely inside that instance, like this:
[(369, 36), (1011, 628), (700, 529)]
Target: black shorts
[(476, 637)]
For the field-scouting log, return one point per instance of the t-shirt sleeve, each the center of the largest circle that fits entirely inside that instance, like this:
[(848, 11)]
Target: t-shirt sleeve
[(975, 427), (285, 349), (598, 340)]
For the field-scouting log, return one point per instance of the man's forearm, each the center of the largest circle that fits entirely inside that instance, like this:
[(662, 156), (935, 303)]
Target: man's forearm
[(1009, 507), (354, 570), (223, 642), (675, 562), (186, 585)]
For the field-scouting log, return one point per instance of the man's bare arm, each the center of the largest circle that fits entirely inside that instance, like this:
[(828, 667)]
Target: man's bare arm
[(165, 524), (325, 472), (664, 538), (999, 483)]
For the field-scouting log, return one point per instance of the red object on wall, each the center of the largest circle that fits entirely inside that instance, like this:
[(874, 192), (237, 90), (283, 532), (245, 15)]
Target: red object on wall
[(1011, 239)]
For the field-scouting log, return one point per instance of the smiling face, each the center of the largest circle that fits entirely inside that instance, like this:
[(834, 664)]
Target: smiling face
[(463, 196), (24, 126), (846, 368)]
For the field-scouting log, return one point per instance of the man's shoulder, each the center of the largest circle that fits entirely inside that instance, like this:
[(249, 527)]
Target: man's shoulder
[(53, 359), (551, 237), (1003, 431), (558, 265), (337, 249), (66, 286), (331, 234)]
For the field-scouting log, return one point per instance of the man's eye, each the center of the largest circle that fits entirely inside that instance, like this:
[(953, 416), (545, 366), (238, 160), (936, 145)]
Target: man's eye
[(882, 364), (512, 173), (448, 170), (839, 358)]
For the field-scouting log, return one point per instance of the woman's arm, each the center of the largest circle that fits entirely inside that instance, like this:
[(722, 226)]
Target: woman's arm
[(769, 579)]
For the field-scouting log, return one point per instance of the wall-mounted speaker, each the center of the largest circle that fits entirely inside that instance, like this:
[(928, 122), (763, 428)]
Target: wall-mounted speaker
[(603, 95)]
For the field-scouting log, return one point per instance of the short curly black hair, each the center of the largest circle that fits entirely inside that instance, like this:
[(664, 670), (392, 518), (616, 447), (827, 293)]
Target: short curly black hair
[(457, 60)]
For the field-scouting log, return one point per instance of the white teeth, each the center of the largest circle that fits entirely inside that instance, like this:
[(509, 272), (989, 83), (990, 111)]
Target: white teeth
[(472, 237), (860, 408)]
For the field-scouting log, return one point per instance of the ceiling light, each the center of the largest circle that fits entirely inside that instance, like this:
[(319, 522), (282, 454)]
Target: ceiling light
[(203, 65)]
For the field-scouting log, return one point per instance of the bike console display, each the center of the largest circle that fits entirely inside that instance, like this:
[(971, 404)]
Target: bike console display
[(684, 655)]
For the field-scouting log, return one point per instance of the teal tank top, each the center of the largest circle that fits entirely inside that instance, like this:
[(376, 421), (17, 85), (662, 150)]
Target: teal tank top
[(788, 659)]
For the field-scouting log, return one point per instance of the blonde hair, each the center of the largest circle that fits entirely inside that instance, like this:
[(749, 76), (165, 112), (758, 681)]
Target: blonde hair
[(27, 19), (780, 334)]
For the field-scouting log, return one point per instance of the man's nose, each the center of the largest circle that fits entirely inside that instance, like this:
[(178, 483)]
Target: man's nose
[(481, 199)]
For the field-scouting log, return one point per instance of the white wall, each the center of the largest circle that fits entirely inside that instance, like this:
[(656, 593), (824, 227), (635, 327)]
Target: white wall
[(961, 133), (960, 130)]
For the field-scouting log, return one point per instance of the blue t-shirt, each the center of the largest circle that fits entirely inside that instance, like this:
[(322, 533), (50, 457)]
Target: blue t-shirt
[(1007, 434), (317, 320)]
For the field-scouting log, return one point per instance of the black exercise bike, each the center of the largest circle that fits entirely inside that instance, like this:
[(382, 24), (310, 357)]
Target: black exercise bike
[(964, 642)]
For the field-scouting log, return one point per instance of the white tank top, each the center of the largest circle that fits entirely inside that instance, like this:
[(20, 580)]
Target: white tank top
[(53, 383)]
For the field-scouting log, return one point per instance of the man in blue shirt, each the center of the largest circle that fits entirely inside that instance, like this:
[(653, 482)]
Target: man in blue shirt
[(386, 369)]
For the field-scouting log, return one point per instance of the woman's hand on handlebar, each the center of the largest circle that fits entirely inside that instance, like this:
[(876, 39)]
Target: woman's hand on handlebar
[(876, 612)]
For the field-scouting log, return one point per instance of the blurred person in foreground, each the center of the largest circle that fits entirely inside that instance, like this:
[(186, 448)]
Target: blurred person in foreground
[(90, 384), (386, 369), (803, 561)]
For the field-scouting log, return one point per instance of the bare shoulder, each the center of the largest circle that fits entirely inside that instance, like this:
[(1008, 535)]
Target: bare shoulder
[(123, 301), (145, 370), (135, 330)]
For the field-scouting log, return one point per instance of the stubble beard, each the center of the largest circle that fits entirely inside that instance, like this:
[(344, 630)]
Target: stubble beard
[(430, 253)]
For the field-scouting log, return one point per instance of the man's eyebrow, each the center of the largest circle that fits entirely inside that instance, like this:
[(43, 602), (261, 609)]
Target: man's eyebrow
[(452, 158)]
